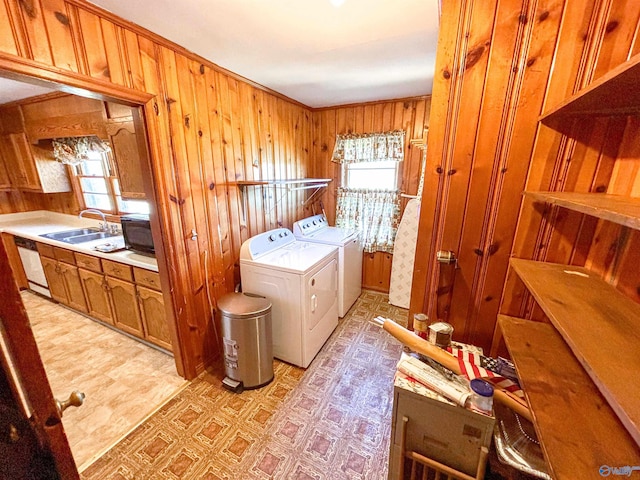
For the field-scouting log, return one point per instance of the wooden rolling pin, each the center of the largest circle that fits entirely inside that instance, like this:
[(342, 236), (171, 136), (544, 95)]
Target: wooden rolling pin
[(420, 345)]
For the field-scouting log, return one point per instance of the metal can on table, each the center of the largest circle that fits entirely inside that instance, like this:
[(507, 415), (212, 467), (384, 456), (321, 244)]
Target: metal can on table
[(420, 327)]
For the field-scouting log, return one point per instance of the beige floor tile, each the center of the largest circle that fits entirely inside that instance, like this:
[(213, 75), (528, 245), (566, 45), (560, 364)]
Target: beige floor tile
[(123, 380)]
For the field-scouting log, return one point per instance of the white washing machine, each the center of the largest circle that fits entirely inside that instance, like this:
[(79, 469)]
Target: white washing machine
[(301, 281), (316, 229)]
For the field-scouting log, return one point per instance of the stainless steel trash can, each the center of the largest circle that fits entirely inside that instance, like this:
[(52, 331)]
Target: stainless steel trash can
[(247, 340)]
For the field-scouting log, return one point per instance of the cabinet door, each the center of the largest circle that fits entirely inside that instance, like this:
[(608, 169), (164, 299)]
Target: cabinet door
[(97, 296), (54, 279), (124, 146), (75, 294), (19, 161), (153, 317), (126, 315)]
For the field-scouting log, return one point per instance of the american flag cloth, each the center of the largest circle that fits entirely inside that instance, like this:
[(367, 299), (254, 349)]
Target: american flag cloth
[(473, 365)]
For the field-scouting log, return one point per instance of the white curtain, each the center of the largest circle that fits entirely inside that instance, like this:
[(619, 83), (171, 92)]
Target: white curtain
[(374, 213)]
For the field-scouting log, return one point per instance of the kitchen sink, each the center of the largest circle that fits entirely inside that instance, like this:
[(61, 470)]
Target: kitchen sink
[(79, 235)]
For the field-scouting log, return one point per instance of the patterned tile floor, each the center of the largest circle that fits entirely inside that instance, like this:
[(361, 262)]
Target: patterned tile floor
[(330, 421)]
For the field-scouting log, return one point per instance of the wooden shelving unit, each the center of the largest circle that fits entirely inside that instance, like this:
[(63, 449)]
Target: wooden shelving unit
[(577, 429), (600, 325), (615, 93), (615, 208), (580, 373)]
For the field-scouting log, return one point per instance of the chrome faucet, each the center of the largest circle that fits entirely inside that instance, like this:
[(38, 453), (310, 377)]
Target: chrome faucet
[(103, 226)]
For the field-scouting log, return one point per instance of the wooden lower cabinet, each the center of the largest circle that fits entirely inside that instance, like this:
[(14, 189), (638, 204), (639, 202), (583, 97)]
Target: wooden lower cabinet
[(124, 302), (64, 283), (96, 294), (129, 298), (54, 279), (153, 317), (75, 295)]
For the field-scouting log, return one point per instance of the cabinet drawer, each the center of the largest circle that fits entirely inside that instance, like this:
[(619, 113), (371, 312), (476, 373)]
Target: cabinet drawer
[(45, 250), (147, 278), (63, 255), (118, 270), (88, 262)]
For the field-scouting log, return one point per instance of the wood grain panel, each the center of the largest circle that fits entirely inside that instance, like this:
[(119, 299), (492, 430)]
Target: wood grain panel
[(619, 30), (93, 51), (517, 137), (116, 59), (8, 41), (58, 26), (35, 31)]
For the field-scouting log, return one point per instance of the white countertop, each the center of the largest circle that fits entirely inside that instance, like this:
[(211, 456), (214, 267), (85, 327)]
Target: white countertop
[(33, 224)]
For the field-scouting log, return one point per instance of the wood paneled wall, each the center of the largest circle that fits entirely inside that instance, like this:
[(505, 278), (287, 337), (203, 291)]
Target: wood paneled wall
[(207, 129), (410, 115), (500, 65)]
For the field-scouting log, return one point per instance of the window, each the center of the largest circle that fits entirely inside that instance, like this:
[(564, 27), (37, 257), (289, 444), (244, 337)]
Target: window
[(99, 186), (380, 175), (368, 199)]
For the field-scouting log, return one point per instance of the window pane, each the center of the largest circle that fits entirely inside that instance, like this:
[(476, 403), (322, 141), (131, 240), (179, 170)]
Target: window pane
[(133, 206), (372, 165), (102, 202), (92, 168), (93, 185), (371, 175), (382, 179)]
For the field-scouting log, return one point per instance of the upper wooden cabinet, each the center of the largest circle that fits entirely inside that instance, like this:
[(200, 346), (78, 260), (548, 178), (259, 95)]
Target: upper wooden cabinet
[(19, 162), (124, 147), (31, 167)]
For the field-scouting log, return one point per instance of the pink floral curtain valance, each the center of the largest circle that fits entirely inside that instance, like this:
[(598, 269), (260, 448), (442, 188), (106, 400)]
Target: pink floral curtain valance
[(369, 147), (73, 150)]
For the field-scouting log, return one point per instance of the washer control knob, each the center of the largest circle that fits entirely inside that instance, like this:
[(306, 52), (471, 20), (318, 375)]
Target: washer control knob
[(272, 238)]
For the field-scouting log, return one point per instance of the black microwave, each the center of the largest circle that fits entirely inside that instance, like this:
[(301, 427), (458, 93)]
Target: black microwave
[(136, 230)]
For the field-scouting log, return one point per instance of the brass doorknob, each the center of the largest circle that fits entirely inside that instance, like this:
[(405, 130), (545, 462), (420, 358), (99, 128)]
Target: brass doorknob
[(75, 399)]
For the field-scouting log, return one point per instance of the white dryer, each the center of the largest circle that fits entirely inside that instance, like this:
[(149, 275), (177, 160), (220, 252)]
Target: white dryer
[(301, 281), (316, 229)]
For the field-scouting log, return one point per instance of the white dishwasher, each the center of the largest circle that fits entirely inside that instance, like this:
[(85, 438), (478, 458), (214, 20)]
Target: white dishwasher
[(32, 266)]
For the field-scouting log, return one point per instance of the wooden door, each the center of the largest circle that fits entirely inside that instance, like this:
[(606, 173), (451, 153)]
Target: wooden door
[(124, 304), (54, 279), (34, 440), (75, 293), (95, 293), (153, 317)]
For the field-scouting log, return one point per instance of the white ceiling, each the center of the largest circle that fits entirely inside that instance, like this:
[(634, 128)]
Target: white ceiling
[(11, 90), (309, 50)]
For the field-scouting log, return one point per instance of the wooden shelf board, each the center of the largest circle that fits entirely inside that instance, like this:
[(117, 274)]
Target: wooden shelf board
[(600, 325), (577, 429), (615, 208), (614, 93)]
